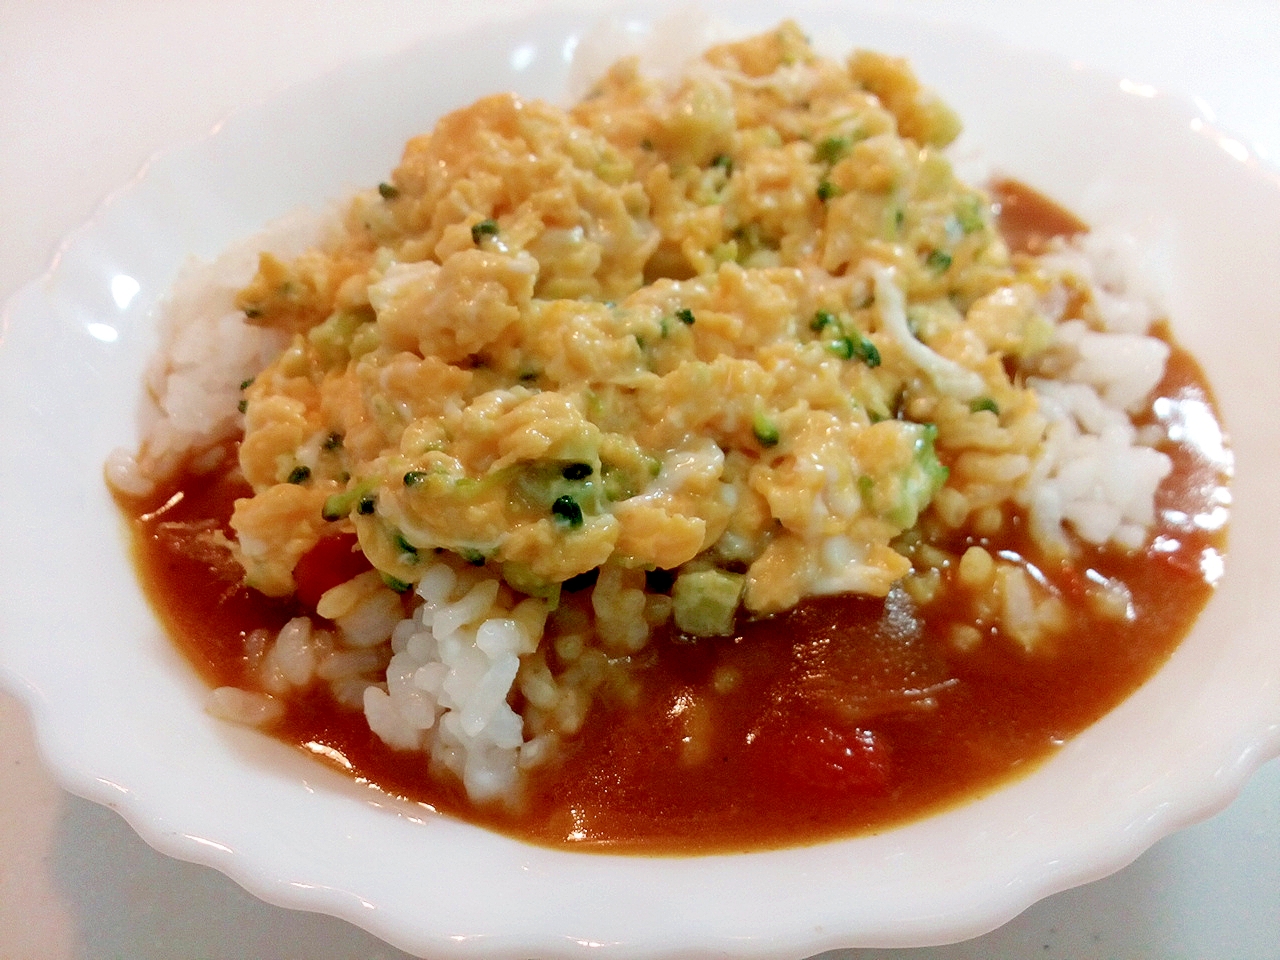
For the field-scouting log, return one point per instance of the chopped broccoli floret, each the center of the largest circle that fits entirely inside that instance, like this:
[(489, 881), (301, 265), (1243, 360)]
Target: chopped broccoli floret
[(567, 512), (340, 504), (922, 479), (485, 228), (765, 429)]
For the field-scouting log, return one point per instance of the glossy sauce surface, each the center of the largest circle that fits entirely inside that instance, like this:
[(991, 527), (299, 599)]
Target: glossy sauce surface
[(844, 715)]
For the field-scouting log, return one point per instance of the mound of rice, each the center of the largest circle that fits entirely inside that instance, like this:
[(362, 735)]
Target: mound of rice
[(190, 403), (442, 682)]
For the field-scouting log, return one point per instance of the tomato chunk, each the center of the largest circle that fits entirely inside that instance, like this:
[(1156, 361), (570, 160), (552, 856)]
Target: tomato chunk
[(334, 560), (833, 760), (818, 754)]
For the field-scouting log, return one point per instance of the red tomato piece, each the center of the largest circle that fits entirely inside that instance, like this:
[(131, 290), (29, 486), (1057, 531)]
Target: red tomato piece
[(817, 753), (334, 560), (832, 760)]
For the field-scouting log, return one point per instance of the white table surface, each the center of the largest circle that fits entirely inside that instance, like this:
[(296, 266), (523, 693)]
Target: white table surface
[(89, 90)]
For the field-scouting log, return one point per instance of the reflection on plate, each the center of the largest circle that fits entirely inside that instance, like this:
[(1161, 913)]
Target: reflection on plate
[(120, 715)]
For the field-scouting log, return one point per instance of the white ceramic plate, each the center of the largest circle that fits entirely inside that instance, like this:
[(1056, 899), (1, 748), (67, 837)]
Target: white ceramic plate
[(119, 714)]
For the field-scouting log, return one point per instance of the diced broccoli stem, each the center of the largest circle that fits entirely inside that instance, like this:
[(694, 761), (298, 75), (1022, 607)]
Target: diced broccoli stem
[(970, 214), (521, 578), (704, 602)]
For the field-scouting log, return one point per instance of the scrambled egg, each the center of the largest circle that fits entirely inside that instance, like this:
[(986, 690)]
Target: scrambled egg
[(746, 324)]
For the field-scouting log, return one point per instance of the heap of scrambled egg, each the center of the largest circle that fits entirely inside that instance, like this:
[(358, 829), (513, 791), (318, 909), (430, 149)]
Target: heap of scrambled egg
[(732, 325)]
